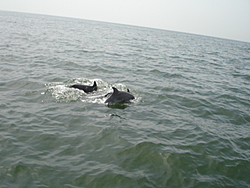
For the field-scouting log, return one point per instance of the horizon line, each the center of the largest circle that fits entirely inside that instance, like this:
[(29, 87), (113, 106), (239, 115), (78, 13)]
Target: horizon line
[(126, 24)]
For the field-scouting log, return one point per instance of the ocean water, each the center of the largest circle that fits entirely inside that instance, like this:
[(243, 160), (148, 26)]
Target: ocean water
[(189, 125)]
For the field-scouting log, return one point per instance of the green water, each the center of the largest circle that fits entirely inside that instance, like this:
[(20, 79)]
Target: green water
[(188, 126)]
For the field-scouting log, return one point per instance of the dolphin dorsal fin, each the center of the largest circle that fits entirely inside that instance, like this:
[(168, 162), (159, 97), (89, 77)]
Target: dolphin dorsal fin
[(115, 90), (128, 91), (94, 83)]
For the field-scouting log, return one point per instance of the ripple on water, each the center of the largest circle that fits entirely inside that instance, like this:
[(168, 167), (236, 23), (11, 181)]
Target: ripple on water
[(188, 127)]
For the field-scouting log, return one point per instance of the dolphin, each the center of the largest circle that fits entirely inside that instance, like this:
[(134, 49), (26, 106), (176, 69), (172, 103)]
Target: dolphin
[(119, 96), (85, 88), (109, 94)]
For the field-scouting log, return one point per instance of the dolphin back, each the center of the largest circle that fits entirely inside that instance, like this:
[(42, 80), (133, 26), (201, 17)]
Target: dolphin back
[(119, 97), (85, 88)]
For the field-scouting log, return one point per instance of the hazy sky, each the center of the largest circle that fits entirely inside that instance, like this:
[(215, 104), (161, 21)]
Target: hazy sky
[(220, 18)]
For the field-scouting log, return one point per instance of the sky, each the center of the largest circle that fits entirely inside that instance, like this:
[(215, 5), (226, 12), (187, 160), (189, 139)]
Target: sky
[(228, 19)]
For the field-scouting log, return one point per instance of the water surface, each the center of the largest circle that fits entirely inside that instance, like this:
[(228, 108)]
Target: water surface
[(188, 126)]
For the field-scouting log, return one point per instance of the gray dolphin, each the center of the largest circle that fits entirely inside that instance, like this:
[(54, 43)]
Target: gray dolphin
[(109, 94), (85, 88), (119, 96)]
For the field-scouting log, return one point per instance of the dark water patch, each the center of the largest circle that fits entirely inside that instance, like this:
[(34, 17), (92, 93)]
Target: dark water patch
[(107, 70), (118, 105), (165, 74), (243, 76)]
